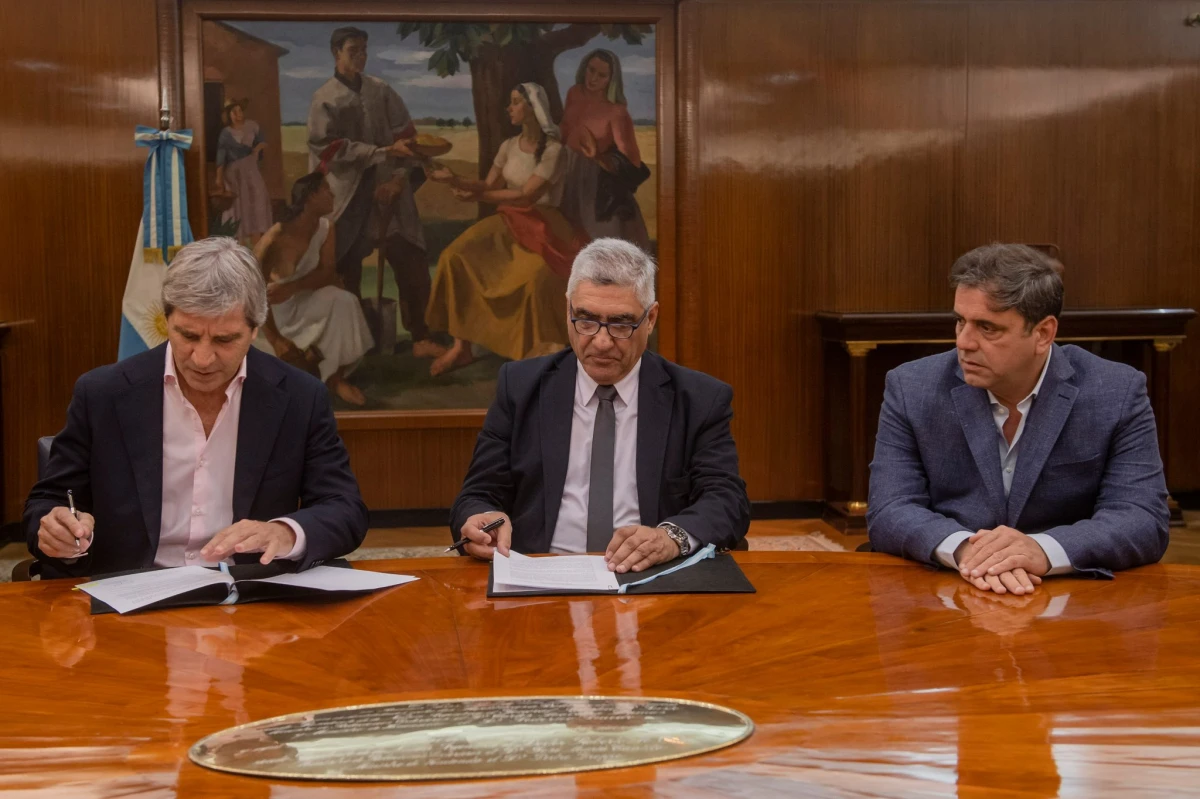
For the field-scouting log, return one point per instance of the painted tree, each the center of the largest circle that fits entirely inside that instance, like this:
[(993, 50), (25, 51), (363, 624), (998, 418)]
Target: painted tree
[(502, 55)]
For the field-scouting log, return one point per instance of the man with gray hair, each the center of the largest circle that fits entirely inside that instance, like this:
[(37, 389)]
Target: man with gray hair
[(1012, 458), (605, 447), (200, 451)]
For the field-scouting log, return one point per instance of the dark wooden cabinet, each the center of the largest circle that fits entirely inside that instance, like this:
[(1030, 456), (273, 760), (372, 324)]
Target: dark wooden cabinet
[(861, 347)]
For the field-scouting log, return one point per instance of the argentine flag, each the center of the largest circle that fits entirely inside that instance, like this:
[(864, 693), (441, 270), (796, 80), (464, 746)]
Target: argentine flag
[(163, 230)]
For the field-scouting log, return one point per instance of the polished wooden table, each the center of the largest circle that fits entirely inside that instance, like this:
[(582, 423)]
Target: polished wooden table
[(865, 676)]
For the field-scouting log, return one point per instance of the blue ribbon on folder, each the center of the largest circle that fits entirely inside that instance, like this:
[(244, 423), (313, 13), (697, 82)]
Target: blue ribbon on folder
[(703, 554), (233, 592)]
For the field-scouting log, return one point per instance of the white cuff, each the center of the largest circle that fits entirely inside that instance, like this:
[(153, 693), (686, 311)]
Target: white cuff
[(1059, 562), (945, 550), (301, 541)]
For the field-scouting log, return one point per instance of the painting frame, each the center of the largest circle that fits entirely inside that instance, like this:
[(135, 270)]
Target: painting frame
[(188, 73)]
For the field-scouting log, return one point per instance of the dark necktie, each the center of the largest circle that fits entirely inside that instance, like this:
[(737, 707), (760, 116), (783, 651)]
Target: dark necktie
[(600, 483)]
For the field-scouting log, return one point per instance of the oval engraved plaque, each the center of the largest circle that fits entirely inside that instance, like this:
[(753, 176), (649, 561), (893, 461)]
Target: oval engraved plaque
[(462, 738)]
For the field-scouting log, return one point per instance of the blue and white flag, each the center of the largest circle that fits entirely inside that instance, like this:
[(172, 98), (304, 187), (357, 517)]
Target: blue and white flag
[(163, 230)]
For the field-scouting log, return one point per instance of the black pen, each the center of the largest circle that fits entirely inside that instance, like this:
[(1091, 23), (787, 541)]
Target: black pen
[(75, 513), (487, 528)]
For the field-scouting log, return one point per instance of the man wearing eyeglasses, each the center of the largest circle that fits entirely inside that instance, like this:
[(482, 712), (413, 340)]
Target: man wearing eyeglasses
[(605, 447)]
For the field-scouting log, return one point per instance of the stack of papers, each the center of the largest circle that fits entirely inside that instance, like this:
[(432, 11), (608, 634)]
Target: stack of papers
[(518, 573)]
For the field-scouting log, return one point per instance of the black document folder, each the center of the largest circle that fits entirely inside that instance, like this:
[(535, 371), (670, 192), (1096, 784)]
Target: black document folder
[(717, 575), (247, 591)]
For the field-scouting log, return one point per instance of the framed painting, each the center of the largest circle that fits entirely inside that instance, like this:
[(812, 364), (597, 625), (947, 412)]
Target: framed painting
[(415, 179)]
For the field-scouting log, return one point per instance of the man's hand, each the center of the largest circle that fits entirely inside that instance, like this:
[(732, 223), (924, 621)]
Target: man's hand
[(484, 545), (634, 548), (401, 148), (440, 173), (273, 539), (1016, 581), (385, 193), (61, 535), (1001, 550)]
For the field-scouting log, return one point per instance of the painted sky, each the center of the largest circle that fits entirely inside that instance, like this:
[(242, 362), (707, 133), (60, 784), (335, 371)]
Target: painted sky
[(308, 64)]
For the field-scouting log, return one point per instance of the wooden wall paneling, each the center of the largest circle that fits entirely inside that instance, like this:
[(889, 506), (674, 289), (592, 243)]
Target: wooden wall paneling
[(77, 78), (410, 468), (897, 98), (1083, 125), (753, 214), (824, 142)]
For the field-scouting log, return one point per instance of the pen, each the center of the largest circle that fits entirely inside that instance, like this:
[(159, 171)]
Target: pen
[(75, 513), (487, 528)]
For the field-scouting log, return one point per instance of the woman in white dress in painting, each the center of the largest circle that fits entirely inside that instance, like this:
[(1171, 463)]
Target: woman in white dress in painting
[(313, 322)]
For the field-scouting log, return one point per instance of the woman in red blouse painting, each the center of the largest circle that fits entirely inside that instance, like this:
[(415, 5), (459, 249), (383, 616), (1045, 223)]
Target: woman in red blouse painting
[(605, 166)]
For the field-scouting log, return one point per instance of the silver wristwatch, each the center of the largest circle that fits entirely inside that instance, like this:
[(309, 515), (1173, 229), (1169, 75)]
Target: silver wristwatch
[(677, 535)]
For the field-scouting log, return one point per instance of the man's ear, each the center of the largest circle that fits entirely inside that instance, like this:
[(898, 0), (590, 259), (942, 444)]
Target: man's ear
[(1045, 331), (652, 318)]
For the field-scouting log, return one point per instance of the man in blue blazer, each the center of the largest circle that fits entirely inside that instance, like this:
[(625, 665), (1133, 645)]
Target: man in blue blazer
[(605, 447), (1013, 458), (200, 450)]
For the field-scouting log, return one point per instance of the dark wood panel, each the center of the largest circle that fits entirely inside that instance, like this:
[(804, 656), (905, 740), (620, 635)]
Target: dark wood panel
[(410, 468), (918, 684), (77, 78), (1083, 128), (821, 173)]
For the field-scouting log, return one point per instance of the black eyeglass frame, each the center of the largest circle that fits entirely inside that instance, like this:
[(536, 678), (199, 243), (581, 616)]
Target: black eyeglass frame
[(633, 326)]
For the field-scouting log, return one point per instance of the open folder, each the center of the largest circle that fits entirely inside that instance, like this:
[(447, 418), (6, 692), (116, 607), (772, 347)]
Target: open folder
[(228, 585), (569, 575)]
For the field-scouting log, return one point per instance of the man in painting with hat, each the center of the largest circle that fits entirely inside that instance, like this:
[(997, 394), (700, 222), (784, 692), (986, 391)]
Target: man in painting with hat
[(359, 132)]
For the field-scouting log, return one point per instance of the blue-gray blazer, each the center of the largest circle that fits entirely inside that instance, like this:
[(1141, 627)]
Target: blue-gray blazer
[(1088, 474)]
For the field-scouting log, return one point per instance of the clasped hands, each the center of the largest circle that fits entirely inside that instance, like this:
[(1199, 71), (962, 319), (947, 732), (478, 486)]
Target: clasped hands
[(1002, 560), (632, 548), (61, 535)]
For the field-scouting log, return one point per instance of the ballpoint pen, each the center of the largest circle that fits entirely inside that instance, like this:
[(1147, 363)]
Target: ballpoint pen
[(75, 513), (487, 528)]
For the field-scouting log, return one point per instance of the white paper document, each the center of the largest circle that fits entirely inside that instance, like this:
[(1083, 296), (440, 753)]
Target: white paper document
[(132, 591), (519, 572), (331, 578)]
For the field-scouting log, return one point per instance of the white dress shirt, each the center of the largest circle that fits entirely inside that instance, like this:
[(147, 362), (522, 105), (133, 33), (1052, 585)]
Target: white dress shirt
[(570, 532), (1059, 562), (198, 471)]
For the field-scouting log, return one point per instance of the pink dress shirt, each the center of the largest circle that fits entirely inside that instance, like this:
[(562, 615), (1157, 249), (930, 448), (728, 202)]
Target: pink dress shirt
[(197, 485)]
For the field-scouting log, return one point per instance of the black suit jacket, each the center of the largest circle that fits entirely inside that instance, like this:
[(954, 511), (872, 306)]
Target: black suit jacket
[(687, 463), (290, 462)]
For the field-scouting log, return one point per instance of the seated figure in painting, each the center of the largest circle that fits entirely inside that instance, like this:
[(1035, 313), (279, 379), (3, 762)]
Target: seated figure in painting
[(313, 321), (604, 163), (502, 284)]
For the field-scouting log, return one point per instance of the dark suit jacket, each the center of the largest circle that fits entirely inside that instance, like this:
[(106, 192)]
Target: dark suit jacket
[(687, 464), (1088, 472), (290, 462)]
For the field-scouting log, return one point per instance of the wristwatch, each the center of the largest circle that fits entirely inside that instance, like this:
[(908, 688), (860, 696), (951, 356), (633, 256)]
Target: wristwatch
[(678, 535)]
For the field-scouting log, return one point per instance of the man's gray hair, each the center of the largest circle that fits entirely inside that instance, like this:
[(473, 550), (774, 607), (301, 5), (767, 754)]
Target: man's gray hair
[(211, 277), (615, 262), (1013, 276)]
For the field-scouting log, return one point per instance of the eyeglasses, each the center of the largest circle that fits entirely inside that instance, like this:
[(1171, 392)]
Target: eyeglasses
[(590, 327)]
